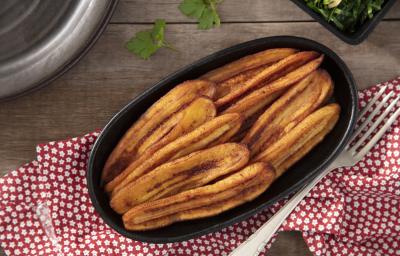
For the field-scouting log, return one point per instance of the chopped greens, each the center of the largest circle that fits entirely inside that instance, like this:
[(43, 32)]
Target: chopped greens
[(347, 15)]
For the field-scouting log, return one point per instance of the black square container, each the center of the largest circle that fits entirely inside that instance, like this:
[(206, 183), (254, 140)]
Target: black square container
[(351, 38)]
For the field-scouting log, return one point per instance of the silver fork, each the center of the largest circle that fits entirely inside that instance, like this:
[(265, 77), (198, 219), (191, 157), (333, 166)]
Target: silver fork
[(348, 157)]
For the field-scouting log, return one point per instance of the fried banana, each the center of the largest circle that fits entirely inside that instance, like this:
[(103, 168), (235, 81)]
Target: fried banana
[(228, 126), (301, 139), (247, 124), (234, 83), (248, 108), (249, 62), (290, 109), (200, 138), (304, 150), (197, 113), (267, 75), (175, 100), (259, 98), (191, 171), (201, 202)]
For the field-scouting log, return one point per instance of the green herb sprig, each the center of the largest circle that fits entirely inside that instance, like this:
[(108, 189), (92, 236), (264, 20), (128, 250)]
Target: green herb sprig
[(205, 11), (146, 43)]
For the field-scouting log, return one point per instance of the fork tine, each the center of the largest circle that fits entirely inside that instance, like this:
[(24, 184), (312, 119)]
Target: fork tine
[(378, 135), (371, 102), (376, 123), (369, 118)]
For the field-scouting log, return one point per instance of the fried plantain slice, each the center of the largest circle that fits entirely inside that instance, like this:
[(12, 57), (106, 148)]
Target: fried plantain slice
[(201, 202), (247, 124), (290, 109), (248, 108), (298, 141), (234, 83), (229, 126), (305, 149), (248, 62), (197, 113), (175, 100), (259, 98), (268, 74), (191, 171), (199, 138)]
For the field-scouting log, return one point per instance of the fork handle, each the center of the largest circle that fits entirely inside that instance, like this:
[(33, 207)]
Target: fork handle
[(257, 241)]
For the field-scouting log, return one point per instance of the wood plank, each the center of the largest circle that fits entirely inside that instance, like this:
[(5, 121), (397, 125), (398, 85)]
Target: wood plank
[(109, 77), (138, 11)]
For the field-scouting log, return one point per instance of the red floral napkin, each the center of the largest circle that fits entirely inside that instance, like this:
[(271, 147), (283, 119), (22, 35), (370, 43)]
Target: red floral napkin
[(45, 208)]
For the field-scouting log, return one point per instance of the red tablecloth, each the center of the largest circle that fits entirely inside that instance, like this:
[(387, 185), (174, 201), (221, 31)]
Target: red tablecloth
[(45, 208)]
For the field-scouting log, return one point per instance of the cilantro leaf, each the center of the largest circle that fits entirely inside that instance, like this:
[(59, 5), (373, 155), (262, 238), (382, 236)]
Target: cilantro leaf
[(159, 31), (146, 43), (205, 11)]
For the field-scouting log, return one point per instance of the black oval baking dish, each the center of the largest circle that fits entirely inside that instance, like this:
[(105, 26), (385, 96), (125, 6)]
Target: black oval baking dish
[(300, 174), (351, 38)]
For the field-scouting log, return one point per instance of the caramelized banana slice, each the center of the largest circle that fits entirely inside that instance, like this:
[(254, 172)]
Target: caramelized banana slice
[(197, 113), (259, 98), (161, 111), (268, 74), (191, 171), (234, 83), (247, 124), (298, 141), (305, 149), (249, 62), (200, 138), (291, 108), (249, 108), (201, 202)]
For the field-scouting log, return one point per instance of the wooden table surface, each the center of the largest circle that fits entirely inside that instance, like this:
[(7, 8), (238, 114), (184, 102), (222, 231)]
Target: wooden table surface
[(108, 77)]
